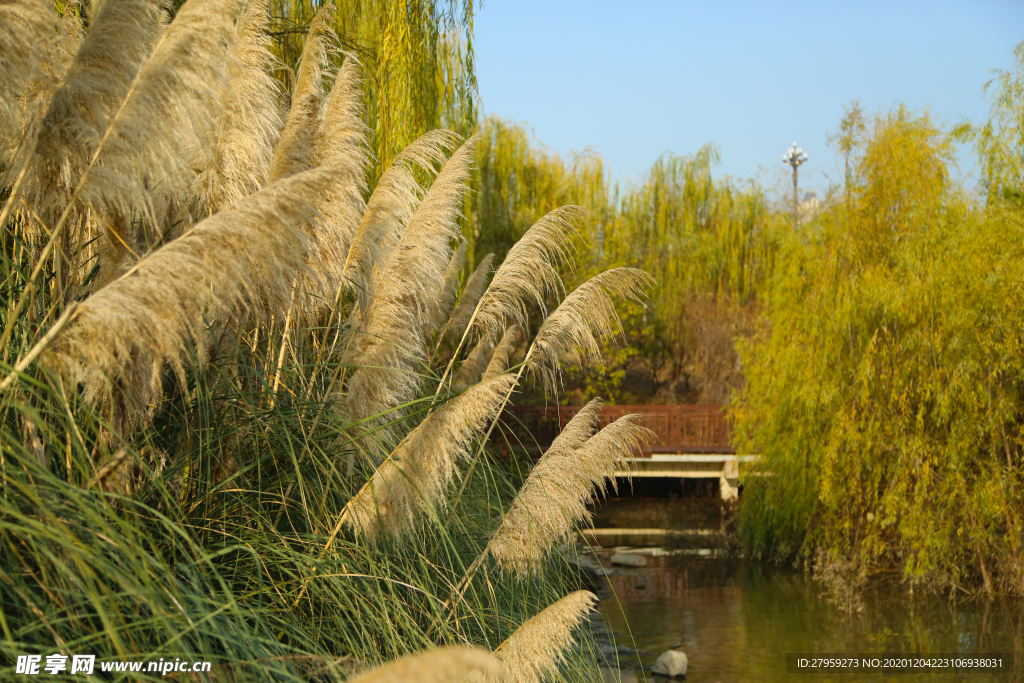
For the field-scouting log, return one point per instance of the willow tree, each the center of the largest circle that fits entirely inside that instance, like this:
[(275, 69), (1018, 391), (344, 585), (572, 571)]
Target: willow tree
[(1000, 140), (884, 395), (517, 181), (710, 244), (417, 57)]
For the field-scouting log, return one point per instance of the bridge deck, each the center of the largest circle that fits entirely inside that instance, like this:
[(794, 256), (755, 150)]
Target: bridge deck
[(724, 467), (680, 429), (693, 441)]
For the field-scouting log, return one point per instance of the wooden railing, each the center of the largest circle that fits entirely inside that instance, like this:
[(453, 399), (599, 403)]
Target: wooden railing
[(680, 428)]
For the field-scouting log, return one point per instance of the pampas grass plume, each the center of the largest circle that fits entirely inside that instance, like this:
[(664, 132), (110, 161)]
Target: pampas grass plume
[(120, 39), (27, 28), (444, 297), (472, 369), (251, 123), (444, 665), (170, 111), (471, 294), (534, 651), (585, 317), (529, 274), (390, 208), (554, 498), (125, 332), (502, 354), (341, 143), (391, 351), (294, 151), (414, 479)]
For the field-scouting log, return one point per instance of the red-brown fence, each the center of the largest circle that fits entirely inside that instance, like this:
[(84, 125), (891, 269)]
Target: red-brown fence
[(680, 428)]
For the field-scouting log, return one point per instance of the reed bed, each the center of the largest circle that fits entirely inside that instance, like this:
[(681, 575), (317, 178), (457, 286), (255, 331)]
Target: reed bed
[(231, 425)]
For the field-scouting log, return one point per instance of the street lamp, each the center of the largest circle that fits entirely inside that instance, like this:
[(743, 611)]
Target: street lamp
[(794, 157)]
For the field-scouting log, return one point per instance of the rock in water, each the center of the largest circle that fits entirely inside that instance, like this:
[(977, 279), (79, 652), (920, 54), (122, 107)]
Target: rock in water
[(629, 560), (671, 663)]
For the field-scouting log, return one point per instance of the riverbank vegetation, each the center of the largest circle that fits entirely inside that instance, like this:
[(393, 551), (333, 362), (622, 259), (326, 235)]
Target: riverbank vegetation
[(233, 422), (884, 388)]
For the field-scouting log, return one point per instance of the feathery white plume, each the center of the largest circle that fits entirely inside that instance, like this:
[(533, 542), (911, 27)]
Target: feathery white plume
[(413, 480), (585, 316), (554, 498), (499, 360), (340, 143), (170, 111), (533, 652), (251, 122), (390, 353), (472, 369), (390, 208), (120, 39), (294, 152), (125, 332), (529, 273), (444, 665), (468, 299), (444, 296), (27, 28)]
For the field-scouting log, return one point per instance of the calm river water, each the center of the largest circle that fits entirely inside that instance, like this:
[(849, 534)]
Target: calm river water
[(736, 620)]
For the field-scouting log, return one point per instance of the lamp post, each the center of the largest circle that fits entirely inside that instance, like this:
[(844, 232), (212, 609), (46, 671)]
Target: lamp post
[(794, 157)]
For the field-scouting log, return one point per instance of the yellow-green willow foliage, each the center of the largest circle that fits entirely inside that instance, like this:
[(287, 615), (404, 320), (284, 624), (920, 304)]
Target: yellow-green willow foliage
[(698, 233), (886, 392), (1000, 141), (417, 57), (709, 243), (516, 183)]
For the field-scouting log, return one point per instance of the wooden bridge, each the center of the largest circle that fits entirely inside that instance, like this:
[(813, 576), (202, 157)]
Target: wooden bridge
[(694, 441)]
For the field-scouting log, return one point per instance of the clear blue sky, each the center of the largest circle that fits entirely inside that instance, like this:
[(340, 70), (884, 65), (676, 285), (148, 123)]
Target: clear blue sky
[(635, 79)]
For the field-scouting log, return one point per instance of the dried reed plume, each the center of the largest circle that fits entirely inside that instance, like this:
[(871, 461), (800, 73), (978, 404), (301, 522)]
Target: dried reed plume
[(414, 479), (585, 316), (126, 331), (472, 369), (390, 208), (554, 498), (469, 298), (27, 28), (62, 54), (295, 149), (499, 360), (529, 274), (120, 39), (533, 652), (170, 110), (72, 32), (251, 123), (444, 297), (444, 665), (340, 143), (390, 352), (46, 64)]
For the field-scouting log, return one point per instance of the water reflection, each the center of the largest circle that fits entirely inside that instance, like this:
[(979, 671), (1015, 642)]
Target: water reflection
[(737, 620)]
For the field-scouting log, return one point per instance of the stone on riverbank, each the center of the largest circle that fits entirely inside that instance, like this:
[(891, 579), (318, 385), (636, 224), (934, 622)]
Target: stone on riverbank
[(629, 560), (671, 663)]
